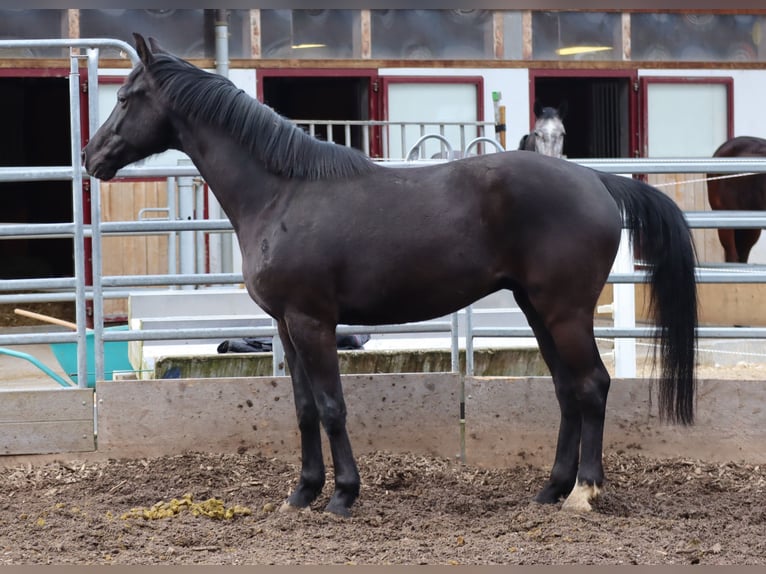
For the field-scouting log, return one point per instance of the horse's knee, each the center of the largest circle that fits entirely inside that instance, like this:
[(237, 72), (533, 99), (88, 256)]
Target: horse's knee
[(592, 392), (308, 416), (332, 413)]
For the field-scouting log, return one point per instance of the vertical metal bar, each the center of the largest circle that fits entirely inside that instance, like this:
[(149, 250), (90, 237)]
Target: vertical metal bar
[(455, 344), (366, 139), (442, 148), (347, 134), (95, 219), (455, 360), (173, 235), (469, 368), (78, 220), (199, 200), (222, 68), (329, 133), (403, 137), (387, 141), (186, 213), (278, 354)]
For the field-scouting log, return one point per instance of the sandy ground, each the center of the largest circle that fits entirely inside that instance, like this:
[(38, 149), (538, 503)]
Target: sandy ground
[(412, 509)]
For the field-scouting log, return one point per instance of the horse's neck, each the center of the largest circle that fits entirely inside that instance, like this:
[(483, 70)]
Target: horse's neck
[(230, 170)]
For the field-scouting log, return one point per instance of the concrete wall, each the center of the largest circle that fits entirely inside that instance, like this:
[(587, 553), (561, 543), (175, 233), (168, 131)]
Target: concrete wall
[(507, 420)]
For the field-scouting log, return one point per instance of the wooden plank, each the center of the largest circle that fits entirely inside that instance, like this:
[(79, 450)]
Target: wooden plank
[(255, 33), (397, 412), (720, 304), (42, 437), (46, 421), (46, 405)]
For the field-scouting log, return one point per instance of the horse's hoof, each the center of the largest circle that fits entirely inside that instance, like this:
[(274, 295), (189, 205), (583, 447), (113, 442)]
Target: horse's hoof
[(580, 497), (338, 509), (548, 495)]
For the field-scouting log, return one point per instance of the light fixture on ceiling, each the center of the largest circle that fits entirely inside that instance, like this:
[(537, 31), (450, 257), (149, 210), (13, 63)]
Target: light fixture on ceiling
[(304, 46), (576, 50)]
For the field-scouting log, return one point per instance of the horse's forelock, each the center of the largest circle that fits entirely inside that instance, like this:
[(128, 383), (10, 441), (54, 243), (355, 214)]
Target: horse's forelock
[(549, 113)]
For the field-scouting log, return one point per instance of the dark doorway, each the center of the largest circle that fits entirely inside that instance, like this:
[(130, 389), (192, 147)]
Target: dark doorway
[(34, 113), (598, 117), (321, 98)]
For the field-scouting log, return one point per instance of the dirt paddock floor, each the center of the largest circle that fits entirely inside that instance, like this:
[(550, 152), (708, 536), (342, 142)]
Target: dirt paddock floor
[(199, 508), (412, 510)]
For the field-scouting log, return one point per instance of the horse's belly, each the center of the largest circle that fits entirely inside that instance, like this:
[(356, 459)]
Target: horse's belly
[(406, 307)]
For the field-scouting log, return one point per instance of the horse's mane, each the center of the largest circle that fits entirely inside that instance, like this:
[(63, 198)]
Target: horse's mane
[(280, 145)]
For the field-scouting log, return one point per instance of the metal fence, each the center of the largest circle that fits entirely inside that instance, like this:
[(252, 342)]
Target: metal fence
[(74, 288)]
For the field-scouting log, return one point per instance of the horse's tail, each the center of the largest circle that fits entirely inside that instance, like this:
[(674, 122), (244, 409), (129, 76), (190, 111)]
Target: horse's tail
[(658, 228)]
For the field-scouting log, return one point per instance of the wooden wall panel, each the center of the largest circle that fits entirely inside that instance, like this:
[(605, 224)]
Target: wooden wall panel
[(689, 191), (132, 255), (39, 421)]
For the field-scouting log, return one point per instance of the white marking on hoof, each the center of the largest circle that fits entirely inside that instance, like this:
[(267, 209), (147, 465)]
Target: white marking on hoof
[(580, 497), (287, 507)]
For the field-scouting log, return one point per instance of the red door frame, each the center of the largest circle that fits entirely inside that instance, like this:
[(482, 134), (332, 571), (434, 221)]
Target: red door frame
[(644, 82), (630, 75), (370, 73)]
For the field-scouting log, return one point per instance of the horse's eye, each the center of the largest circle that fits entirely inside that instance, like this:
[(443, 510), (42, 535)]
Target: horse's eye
[(122, 99)]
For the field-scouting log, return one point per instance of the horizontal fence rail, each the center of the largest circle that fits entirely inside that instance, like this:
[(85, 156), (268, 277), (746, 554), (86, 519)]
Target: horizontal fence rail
[(470, 134), (732, 273)]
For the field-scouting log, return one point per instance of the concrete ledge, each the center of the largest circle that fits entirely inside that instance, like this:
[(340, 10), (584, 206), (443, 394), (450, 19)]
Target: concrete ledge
[(487, 362)]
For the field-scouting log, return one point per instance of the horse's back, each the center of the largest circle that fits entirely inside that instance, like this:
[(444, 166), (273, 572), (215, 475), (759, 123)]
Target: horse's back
[(742, 146)]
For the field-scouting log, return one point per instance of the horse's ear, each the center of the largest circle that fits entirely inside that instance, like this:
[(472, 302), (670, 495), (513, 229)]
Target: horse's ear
[(142, 49), (563, 108), (538, 108)]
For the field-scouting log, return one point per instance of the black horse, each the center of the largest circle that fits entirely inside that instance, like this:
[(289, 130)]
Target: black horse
[(547, 137), (745, 192), (329, 237)]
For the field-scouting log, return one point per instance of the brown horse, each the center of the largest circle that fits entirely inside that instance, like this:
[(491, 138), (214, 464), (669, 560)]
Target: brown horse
[(745, 193), (329, 237)]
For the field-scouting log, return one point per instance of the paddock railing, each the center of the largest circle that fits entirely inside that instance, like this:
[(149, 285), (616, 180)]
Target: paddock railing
[(75, 289)]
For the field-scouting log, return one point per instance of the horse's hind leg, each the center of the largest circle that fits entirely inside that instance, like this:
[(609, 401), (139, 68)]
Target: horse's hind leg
[(729, 244), (312, 477), (564, 472), (316, 350), (745, 239), (592, 383), (582, 383)]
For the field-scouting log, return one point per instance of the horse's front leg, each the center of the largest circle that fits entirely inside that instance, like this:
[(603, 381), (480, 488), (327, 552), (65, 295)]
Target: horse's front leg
[(316, 349), (312, 477)]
